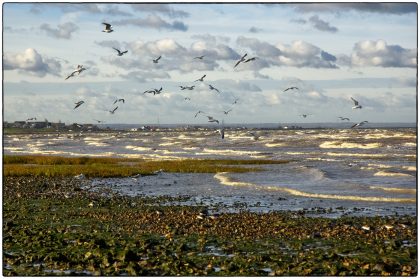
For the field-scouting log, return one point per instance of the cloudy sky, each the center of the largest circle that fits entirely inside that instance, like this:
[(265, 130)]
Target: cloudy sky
[(331, 52)]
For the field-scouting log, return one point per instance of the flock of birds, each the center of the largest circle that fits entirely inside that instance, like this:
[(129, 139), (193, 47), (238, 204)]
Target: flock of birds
[(211, 119)]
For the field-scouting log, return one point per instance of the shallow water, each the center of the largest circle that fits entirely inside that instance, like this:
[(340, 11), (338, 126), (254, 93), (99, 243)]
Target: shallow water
[(364, 172)]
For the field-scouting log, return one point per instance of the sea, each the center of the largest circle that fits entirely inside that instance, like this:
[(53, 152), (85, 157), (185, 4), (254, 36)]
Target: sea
[(333, 170)]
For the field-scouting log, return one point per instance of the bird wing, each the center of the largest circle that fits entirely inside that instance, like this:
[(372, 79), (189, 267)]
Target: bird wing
[(237, 63), (356, 103), (107, 25)]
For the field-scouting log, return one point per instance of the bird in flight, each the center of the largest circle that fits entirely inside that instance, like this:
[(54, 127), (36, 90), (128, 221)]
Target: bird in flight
[(187, 87), (78, 70), (291, 88), (227, 111), (359, 124), (199, 113), (201, 79), (305, 115), (344, 118), (99, 121), (120, 53), (240, 60), (187, 99), (119, 100), (211, 119), (250, 59), (199, 57), (213, 88), (107, 28), (356, 104), (157, 59), (78, 104), (153, 91), (112, 111), (255, 136), (236, 101), (222, 132), (33, 118)]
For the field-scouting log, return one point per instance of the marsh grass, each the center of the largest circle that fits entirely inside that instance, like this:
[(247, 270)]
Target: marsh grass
[(51, 166)]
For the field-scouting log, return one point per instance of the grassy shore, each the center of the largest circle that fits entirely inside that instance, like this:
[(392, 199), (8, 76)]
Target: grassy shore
[(52, 226)]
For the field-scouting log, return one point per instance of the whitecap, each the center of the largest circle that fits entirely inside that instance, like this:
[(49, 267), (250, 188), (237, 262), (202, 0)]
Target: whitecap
[(337, 144), (385, 173)]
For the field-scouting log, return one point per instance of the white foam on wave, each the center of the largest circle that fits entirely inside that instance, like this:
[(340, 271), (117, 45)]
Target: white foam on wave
[(410, 168), (367, 155), (410, 144), (392, 189), (96, 143), (224, 179), (138, 148), (229, 152), (382, 136), (385, 173), (275, 144), (338, 144), (170, 143)]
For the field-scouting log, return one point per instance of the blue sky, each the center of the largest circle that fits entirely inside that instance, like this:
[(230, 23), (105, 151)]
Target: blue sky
[(331, 52)]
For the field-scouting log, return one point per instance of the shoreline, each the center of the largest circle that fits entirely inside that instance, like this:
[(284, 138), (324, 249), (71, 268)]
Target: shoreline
[(52, 226)]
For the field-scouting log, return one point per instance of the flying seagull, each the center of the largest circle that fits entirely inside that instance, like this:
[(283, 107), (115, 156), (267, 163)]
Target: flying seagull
[(199, 57), (222, 132), (107, 28), (254, 136), (344, 118), (120, 53), (112, 111), (213, 88), (78, 70), (153, 91), (240, 60), (236, 101), (291, 88), (199, 113), (33, 118), (211, 119), (78, 104), (250, 59), (157, 59), (201, 79), (226, 112), (187, 99), (187, 87), (356, 104), (99, 121), (119, 100), (359, 124), (305, 115)]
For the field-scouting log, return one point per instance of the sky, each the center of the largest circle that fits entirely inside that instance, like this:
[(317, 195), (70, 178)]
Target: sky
[(329, 51)]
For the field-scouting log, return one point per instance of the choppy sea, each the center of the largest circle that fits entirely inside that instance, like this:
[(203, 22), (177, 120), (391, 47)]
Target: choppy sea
[(332, 172)]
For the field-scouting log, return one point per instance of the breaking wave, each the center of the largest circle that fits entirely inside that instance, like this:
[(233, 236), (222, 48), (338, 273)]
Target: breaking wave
[(338, 144)]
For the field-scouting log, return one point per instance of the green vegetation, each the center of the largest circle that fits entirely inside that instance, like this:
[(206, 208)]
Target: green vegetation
[(53, 227), (52, 166)]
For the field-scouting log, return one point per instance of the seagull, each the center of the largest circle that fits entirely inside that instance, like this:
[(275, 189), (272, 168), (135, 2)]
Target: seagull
[(211, 119), (187, 87), (199, 113), (33, 118), (255, 136), (236, 101), (187, 99), (157, 59), (291, 88), (119, 100), (213, 88), (78, 104), (359, 124), (78, 70), (120, 53), (240, 60), (201, 79), (107, 28), (112, 111), (356, 104), (222, 132), (226, 112), (305, 115), (99, 121), (344, 118), (199, 57), (154, 91), (250, 59), (158, 91)]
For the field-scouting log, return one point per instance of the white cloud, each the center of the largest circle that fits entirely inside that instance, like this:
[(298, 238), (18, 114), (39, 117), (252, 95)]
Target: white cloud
[(63, 31), (164, 9), (380, 54), (155, 22), (31, 62)]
